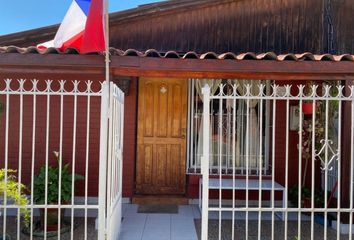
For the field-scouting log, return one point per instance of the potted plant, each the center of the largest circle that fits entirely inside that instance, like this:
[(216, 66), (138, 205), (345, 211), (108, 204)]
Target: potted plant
[(319, 198), (14, 192), (320, 203), (307, 105), (306, 202), (305, 196), (306, 134), (53, 191)]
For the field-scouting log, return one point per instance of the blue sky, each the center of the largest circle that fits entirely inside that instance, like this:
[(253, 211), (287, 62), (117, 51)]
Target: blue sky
[(19, 15)]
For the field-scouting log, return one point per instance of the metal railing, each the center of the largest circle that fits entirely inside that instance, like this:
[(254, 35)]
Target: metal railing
[(54, 148), (299, 158)]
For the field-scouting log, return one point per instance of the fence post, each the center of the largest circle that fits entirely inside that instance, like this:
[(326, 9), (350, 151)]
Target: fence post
[(110, 151), (205, 161), (103, 163)]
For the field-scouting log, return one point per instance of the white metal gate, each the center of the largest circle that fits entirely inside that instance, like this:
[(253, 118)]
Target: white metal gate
[(115, 162), (52, 131), (305, 160)]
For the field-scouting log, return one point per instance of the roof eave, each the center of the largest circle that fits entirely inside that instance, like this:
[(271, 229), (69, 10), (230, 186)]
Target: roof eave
[(63, 65)]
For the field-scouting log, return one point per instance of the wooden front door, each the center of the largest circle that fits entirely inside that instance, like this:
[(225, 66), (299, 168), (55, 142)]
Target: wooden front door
[(162, 123)]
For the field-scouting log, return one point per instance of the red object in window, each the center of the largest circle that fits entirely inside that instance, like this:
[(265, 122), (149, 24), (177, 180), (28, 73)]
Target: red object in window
[(307, 108)]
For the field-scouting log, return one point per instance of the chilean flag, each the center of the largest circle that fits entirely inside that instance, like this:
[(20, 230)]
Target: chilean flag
[(82, 28)]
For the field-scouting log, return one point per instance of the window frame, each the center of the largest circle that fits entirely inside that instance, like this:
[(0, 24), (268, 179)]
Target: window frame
[(192, 167)]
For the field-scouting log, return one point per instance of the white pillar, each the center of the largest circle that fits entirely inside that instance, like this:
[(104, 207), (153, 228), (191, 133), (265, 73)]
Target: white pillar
[(103, 163), (205, 161)]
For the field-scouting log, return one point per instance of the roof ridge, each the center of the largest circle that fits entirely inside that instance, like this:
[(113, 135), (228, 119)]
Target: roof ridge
[(119, 15)]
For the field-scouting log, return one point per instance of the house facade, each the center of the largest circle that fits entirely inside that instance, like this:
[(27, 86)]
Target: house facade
[(161, 56)]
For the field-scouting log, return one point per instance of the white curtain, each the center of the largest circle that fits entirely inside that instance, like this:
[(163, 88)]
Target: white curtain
[(229, 108), (214, 84), (241, 131), (253, 130)]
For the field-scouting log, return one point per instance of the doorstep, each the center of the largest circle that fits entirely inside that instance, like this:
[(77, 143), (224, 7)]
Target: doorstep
[(160, 199)]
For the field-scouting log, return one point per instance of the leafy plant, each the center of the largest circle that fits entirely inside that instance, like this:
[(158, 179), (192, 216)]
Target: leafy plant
[(333, 104), (53, 183), (319, 196), (308, 126), (320, 199), (14, 191), (307, 132), (294, 194)]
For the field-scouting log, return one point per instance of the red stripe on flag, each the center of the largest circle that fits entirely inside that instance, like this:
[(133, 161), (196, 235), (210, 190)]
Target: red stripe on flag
[(93, 39), (74, 42)]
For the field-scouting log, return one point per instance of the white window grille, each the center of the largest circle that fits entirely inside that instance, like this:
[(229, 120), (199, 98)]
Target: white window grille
[(222, 115)]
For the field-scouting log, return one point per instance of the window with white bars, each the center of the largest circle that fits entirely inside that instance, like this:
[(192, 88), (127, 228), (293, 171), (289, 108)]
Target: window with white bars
[(229, 147)]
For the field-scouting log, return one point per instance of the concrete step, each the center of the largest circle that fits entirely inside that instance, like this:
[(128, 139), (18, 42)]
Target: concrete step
[(160, 199)]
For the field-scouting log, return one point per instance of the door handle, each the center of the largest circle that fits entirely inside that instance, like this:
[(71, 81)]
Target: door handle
[(183, 133)]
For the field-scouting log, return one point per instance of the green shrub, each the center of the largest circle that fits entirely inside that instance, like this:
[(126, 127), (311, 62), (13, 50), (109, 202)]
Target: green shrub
[(294, 194), (53, 184), (306, 193), (14, 191)]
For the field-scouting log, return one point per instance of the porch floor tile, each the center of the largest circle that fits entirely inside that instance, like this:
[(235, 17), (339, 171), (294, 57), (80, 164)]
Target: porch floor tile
[(254, 216), (131, 233), (139, 226)]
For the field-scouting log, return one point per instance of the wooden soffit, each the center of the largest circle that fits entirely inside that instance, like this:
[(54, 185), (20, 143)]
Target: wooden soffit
[(135, 66)]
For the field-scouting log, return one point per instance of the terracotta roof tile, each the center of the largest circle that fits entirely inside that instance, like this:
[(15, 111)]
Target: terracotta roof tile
[(192, 55)]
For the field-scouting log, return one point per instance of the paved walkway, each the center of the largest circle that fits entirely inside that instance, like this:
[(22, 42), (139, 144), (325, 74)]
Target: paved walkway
[(140, 226), (181, 226)]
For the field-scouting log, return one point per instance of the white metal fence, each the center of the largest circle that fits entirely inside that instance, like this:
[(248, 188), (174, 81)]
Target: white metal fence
[(305, 157), (115, 163), (54, 144)]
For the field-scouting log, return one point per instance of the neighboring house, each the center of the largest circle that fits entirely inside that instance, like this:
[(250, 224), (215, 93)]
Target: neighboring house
[(165, 48)]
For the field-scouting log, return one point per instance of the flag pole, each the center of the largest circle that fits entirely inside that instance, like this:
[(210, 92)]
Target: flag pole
[(102, 219), (107, 57)]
